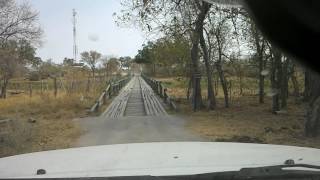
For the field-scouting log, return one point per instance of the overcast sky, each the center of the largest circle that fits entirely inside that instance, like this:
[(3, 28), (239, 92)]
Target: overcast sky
[(95, 26)]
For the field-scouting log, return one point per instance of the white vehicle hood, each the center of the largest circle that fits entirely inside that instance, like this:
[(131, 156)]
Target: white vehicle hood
[(156, 159)]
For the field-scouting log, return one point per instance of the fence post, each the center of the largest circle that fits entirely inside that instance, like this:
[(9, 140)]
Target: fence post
[(160, 89), (165, 96), (156, 87), (30, 89), (41, 86)]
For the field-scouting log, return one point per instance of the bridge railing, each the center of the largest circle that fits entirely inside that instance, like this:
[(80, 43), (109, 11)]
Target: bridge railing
[(113, 87), (161, 90)]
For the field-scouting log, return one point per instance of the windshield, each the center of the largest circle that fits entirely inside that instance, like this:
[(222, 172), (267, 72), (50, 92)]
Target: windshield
[(83, 73)]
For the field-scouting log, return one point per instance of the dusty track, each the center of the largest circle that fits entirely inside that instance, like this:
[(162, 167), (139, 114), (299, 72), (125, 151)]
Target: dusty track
[(135, 115)]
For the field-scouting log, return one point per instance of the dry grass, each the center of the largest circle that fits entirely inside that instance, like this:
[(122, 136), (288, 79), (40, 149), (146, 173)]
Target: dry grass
[(53, 128), (246, 120), (177, 88), (252, 122)]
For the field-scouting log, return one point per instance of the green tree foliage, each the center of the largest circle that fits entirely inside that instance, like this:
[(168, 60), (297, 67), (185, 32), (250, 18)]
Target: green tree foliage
[(169, 52), (14, 54), (68, 61), (125, 62), (144, 54), (49, 69)]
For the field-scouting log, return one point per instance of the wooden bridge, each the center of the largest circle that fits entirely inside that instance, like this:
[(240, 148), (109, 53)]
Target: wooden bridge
[(135, 115), (136, 96)]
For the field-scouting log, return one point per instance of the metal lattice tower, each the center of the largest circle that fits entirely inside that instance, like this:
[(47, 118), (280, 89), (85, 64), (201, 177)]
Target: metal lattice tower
[(75, 47)]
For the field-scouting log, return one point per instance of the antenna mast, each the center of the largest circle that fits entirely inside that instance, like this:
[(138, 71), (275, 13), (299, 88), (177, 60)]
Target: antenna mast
[(75, 47)]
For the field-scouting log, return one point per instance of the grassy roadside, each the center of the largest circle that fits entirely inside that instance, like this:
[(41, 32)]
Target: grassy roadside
[(252, 122), (40, 122), (245, 121)]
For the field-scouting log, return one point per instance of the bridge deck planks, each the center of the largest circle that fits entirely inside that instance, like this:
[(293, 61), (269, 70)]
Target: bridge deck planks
[(135, 99)]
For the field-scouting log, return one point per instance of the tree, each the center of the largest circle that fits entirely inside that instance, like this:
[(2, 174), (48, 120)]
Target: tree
[(292, 75), (68, 61), (8, 64), (168, 54), (275, 78), (48, 69), (165, 16), (312, 125), (111, 65), (259, 44), (124, 62), (18, 22), (144, 55), (284, 83), (197, 32), (18, 30), (211, 94), (14, 54), (219, 32), (91, 59)]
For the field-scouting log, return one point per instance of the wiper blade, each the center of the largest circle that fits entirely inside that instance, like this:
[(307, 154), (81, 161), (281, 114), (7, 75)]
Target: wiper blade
[(282, 171)]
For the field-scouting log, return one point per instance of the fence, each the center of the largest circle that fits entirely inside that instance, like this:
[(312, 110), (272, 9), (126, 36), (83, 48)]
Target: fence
[(59, 84), (111, 89), (161, 91)]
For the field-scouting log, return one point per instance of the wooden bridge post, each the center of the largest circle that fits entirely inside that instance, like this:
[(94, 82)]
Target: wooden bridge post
[(165, 96), (98, 106), (112, 89), (104, 99), (160, 89), (109, 91), (156, 87)]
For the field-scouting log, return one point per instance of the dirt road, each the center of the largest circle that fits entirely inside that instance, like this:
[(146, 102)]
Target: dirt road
[(136, 115)]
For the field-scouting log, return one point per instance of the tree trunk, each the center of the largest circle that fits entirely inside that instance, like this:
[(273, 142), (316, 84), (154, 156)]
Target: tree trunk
[(93, 74), (295, 83), (3, 92), (4, 88), (278, 66), (216, 85), (196, 75), (259, 51), (312, 125), (55, 85), (261, 81), (223, 83), (284, 84), (275, 79), (307, 90), (189, 88), (221, 76), (240, 82), (211, 96)]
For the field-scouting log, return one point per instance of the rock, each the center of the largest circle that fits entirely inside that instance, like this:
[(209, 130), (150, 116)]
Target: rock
[(268, 130), (32, 120)]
